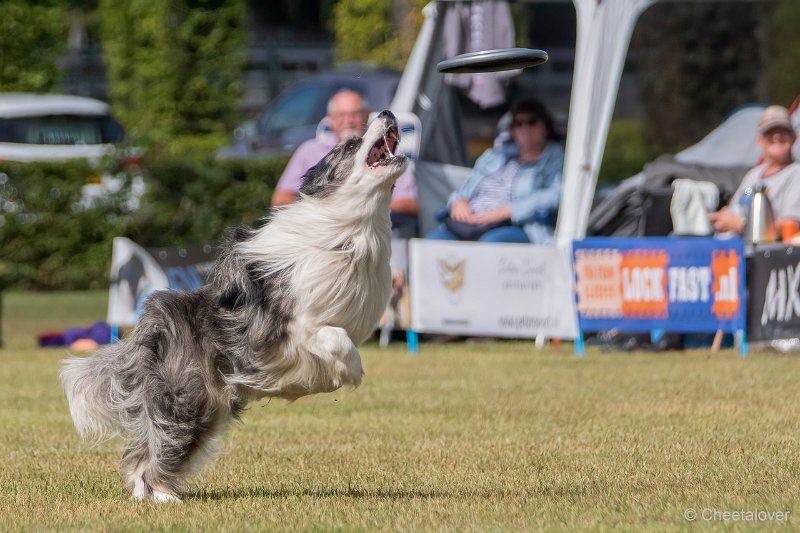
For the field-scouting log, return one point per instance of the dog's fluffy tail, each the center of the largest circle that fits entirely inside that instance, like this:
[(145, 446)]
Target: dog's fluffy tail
[(93, 395)]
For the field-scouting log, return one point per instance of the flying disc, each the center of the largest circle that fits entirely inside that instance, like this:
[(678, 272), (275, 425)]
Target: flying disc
[(493, 60)]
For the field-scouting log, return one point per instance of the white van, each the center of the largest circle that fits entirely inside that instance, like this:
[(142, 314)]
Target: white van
[(55, 127)]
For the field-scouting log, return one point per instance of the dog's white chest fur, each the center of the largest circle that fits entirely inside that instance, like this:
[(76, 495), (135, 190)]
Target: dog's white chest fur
[(346, 287), (338, 269)]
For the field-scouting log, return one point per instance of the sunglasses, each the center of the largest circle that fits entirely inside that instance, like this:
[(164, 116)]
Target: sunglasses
[(531, 122)]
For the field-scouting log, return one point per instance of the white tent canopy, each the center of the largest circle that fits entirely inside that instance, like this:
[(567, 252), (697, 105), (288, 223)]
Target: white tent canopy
[(604, 32), (604, 28)]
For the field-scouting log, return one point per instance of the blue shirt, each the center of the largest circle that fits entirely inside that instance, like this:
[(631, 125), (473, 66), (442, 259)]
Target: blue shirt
[(535, 187)]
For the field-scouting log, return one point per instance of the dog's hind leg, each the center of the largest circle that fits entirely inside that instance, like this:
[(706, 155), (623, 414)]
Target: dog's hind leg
[(181, 424), (136, 467)]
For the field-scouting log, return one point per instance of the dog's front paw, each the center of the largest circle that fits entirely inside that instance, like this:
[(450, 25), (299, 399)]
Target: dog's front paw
[(349, 368), (336, 344)]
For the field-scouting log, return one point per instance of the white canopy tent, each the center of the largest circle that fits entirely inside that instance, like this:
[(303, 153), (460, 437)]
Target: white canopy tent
[(604, 28), (603, 36), (603, 32)]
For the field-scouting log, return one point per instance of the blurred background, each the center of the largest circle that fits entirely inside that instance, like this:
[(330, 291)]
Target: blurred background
[(202, 67), (188, 79)]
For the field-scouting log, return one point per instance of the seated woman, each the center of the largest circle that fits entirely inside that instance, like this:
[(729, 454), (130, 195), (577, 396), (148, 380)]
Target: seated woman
[(513, 192)]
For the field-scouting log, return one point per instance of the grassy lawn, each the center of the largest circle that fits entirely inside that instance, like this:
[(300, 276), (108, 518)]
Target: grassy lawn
[(462, 437)]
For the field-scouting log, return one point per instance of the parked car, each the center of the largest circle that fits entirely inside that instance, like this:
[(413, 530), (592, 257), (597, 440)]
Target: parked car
[(54, 127), (293, 116), (60, 127)]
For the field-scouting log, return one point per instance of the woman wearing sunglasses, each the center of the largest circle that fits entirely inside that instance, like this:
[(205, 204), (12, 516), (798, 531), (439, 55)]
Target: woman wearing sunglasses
[(513, 191)]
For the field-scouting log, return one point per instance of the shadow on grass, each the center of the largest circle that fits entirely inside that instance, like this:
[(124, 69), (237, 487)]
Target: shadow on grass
[(322, 492), (383, 494)]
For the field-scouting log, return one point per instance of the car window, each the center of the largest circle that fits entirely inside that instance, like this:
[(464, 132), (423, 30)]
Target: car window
[(381, 96), (60, 130), (296, 108), (305, 105)]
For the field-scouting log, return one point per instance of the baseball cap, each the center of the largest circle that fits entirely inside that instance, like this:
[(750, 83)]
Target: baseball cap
[(775, 116)]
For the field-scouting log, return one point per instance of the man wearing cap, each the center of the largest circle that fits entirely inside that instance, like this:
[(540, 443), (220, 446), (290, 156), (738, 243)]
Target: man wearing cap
[(778, 172)]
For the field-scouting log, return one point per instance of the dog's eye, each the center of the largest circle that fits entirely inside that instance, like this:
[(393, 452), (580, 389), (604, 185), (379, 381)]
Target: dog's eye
[(352, 144)]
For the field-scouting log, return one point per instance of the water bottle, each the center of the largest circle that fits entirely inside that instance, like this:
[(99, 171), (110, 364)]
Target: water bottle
[(760, 224)]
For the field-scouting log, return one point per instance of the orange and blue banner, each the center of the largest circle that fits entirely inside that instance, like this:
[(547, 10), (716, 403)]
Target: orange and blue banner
[(682, 285)]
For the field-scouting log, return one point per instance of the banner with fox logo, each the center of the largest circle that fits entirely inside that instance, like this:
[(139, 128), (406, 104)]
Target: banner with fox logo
[(669, 284), (486, 289)]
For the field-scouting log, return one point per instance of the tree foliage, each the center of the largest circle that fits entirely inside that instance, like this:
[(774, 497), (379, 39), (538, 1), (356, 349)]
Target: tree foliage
[(174, 67), (32, 38), (376, 31), (697, 62), (784, 62)]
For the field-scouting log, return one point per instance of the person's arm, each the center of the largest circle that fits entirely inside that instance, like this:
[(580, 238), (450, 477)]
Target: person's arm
[(406, 206), (460, 211), (547, 197), (726, 220), (306, 156), (283, 197), (731, 218), (494, 215)]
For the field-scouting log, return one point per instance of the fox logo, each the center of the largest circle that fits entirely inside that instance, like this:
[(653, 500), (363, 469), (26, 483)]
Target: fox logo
[(451, 275)]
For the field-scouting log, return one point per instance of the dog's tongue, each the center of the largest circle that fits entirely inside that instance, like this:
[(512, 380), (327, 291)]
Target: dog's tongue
[(375, 154)]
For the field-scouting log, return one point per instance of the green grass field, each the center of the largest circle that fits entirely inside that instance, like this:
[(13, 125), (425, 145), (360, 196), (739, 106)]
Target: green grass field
[(462, 437)]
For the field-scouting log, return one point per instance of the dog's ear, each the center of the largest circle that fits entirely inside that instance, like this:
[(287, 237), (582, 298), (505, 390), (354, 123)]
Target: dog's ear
[(322, 178)]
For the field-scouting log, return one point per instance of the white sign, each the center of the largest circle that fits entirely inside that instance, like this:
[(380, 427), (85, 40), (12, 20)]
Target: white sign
[(503, 290), (398, 310), (136, 272)]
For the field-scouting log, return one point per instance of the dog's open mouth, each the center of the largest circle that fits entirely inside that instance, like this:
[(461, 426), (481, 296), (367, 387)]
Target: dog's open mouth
[(382, 152)]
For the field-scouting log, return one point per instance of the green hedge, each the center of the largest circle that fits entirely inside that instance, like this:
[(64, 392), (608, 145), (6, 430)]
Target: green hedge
[(49, 240), (626, 151)]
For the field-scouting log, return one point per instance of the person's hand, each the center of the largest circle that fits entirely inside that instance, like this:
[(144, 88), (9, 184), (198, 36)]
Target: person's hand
[(726, 220), (460, 211), (494, 215)]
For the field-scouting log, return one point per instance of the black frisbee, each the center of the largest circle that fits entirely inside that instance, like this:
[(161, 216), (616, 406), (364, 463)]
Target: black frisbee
[(493, 60)]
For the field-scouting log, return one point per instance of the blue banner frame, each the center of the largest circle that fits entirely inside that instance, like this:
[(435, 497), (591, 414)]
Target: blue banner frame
[(657, 284)]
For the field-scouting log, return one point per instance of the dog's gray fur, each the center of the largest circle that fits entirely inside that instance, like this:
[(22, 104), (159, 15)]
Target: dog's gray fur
[(287, 305)]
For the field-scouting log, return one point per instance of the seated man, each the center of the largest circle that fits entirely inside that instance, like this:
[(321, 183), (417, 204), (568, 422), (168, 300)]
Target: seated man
[(347, 113), (513, 192), (778, 172)]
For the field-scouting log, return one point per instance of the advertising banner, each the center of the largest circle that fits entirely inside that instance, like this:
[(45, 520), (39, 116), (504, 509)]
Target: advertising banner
[(669, 284), (774, 289), (502, 290), (138, 271)]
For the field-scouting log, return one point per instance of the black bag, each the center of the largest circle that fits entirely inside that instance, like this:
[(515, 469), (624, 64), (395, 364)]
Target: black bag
[(471, 232)]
